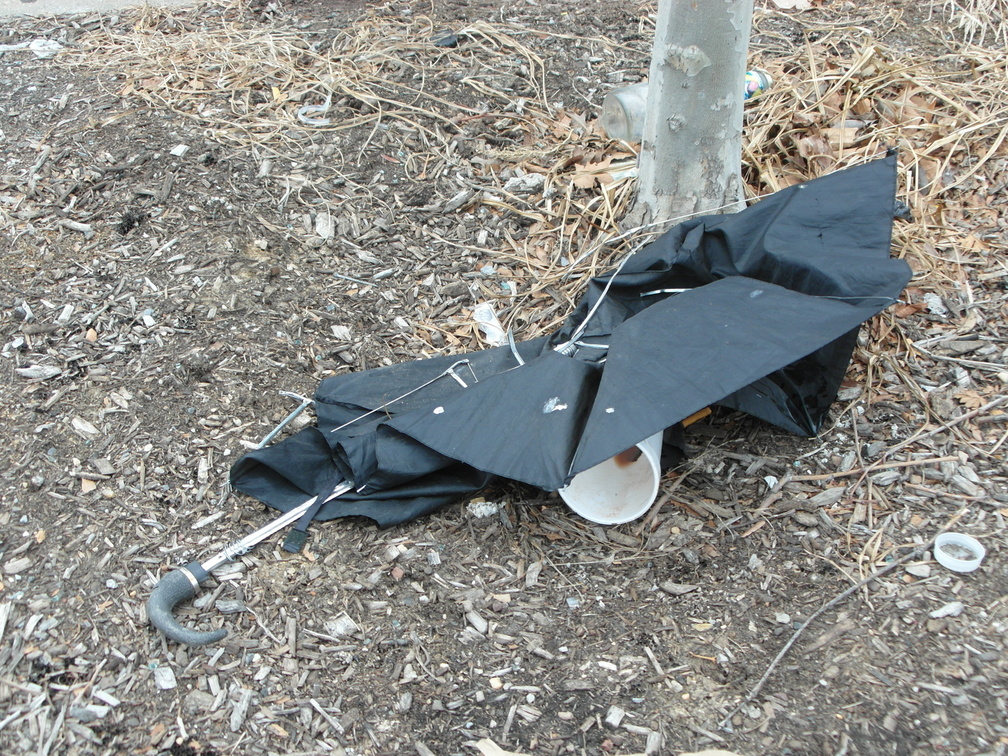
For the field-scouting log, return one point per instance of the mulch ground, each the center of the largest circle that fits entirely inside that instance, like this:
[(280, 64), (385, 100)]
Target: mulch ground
[(200, 208)]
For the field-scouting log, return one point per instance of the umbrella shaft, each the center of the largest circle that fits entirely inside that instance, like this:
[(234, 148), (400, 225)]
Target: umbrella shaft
[(244, 545), (305, 403)]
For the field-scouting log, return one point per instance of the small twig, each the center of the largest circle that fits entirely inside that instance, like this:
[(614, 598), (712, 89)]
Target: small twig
[(726, 722), (84, 228), (1002, 418), (875, 467), (57, 729), (327, 717), (921, 435), (947, 426), (944, 494), (661, 502), (776, 492), (664, 499), (998, 444), (508, 722), (994, 367)]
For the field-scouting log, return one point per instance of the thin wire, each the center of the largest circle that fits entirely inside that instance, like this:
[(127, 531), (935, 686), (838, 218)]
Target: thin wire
[(450, 371), (565, 349), (886, 300), (514, 347), (662, 291)]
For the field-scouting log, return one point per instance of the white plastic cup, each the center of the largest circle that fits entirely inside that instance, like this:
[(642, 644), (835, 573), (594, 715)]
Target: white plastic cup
[(620, 489)]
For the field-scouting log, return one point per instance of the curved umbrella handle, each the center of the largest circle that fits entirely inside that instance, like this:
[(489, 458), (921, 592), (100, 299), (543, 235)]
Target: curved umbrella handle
[(182, 583), (177, 586)]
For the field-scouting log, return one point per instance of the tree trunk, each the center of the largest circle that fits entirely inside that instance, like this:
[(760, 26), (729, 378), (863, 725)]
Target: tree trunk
[(691, 151)]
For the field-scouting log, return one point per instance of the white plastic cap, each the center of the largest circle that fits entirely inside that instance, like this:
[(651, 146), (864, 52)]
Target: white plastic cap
[(959, 552)]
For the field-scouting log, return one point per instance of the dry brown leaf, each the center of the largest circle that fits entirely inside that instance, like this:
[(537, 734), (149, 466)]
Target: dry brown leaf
[(540, 252), (970, 399), (813, 146), (834, 103), (862, 107), (972, 242), (840, 135), (591, 173), (576, 157), (906, 310)]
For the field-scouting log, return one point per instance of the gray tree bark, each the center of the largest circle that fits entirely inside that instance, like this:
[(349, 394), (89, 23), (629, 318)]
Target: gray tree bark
[(691, 151)]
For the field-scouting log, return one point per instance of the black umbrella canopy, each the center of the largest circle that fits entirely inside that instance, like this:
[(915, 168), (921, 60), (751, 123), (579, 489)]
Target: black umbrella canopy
[(757, 311)]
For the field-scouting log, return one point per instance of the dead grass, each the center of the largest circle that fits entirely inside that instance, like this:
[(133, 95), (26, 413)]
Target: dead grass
[(981, 21), (838, 101)]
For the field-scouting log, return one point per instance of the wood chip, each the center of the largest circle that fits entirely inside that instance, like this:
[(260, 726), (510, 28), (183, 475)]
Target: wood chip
[(240, 709), (39, 372), (951, 609), (677, 589), (614, 716), (164, 678)]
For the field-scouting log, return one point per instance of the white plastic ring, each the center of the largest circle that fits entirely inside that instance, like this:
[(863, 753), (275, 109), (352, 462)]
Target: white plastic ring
[(959, 552)]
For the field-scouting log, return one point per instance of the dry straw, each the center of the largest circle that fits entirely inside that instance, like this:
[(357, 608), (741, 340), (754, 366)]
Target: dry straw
[(840, 100), (982, 21)]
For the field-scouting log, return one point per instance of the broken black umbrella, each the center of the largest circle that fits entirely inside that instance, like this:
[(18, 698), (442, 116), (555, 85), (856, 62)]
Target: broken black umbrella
[(755, 311)]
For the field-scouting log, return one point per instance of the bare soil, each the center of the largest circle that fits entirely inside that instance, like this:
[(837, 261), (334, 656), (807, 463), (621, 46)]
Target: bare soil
[(154, 301)]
